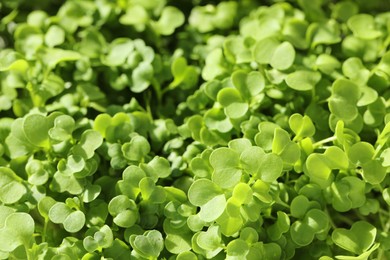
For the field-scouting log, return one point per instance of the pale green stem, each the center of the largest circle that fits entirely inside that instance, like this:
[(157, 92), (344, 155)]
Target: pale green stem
[(324, 141), (377, 150)]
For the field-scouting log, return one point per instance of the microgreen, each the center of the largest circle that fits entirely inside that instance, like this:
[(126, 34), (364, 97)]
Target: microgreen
[(155, 129)]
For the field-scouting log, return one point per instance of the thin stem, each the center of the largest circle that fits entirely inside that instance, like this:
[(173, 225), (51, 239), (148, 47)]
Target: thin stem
[(44, 231), (324, 141), (169, 88), (97, 107), (330, 219), (377, 150), (157, 89), (147, 104), (282, 203)]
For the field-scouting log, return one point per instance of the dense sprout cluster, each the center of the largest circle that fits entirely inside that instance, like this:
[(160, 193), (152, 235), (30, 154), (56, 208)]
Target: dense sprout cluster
[(159, 129)]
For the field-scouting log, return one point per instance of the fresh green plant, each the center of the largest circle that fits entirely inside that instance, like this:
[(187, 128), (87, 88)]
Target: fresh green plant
[(160, 129)]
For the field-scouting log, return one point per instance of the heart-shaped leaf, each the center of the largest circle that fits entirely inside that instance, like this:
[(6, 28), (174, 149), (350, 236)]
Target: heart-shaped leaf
[(345, 95), (18, 229), (302, 126), (148, 245), (303, 80), (225, 163), (359, 238), (283, 56), (363, 26)]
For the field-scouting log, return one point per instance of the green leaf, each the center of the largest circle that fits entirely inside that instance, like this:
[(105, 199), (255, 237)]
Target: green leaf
[(136, 149), (386, 195), (228, 96), (18, 230), (348, 193), (55, 35), (36, 129), (89, 142), (264, 50), (363, 26), (52, 57), (124, 211), (345, 95), (58, 212), (237, 49), (216, 119), (303, 80), (231, 99), (361, 153), (131, 177), (344, 10), (201, 191), (170, 19), (135, 15), (142, 77), (44, 206), (313, 9), (385, 156), (184, 76), (188, 255), (359, 238), (211, 239), (248, 84), (237, 248), (265, 137), (320, 166), (38, 172), (327, 64), (324, 33), (209, 197), (92, 43), (225, 164), (283, 56), (161, 166), (119, 51), (178, 244), (294, 30), (91, 192), (63, 128), (63, 182), (242, 193), (314, 222), (302, 126), (11, 190), (74, 222), (373, 172), (288, 150), (354, 69), (10, 60), (281, 226), (148, 245), (267, 167)]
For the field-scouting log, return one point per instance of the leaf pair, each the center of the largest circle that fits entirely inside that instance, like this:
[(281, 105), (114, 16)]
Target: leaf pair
[(72, 220), (362, 155), (347, 193), (16, 228), (11, 187), (315, 223), (280, 56), (102, 238), (149, 245), (319, 166), (359, 239), (137, 15), (236, 101)]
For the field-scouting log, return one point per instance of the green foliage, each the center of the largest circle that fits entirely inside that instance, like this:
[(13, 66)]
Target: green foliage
[(155, 129)]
